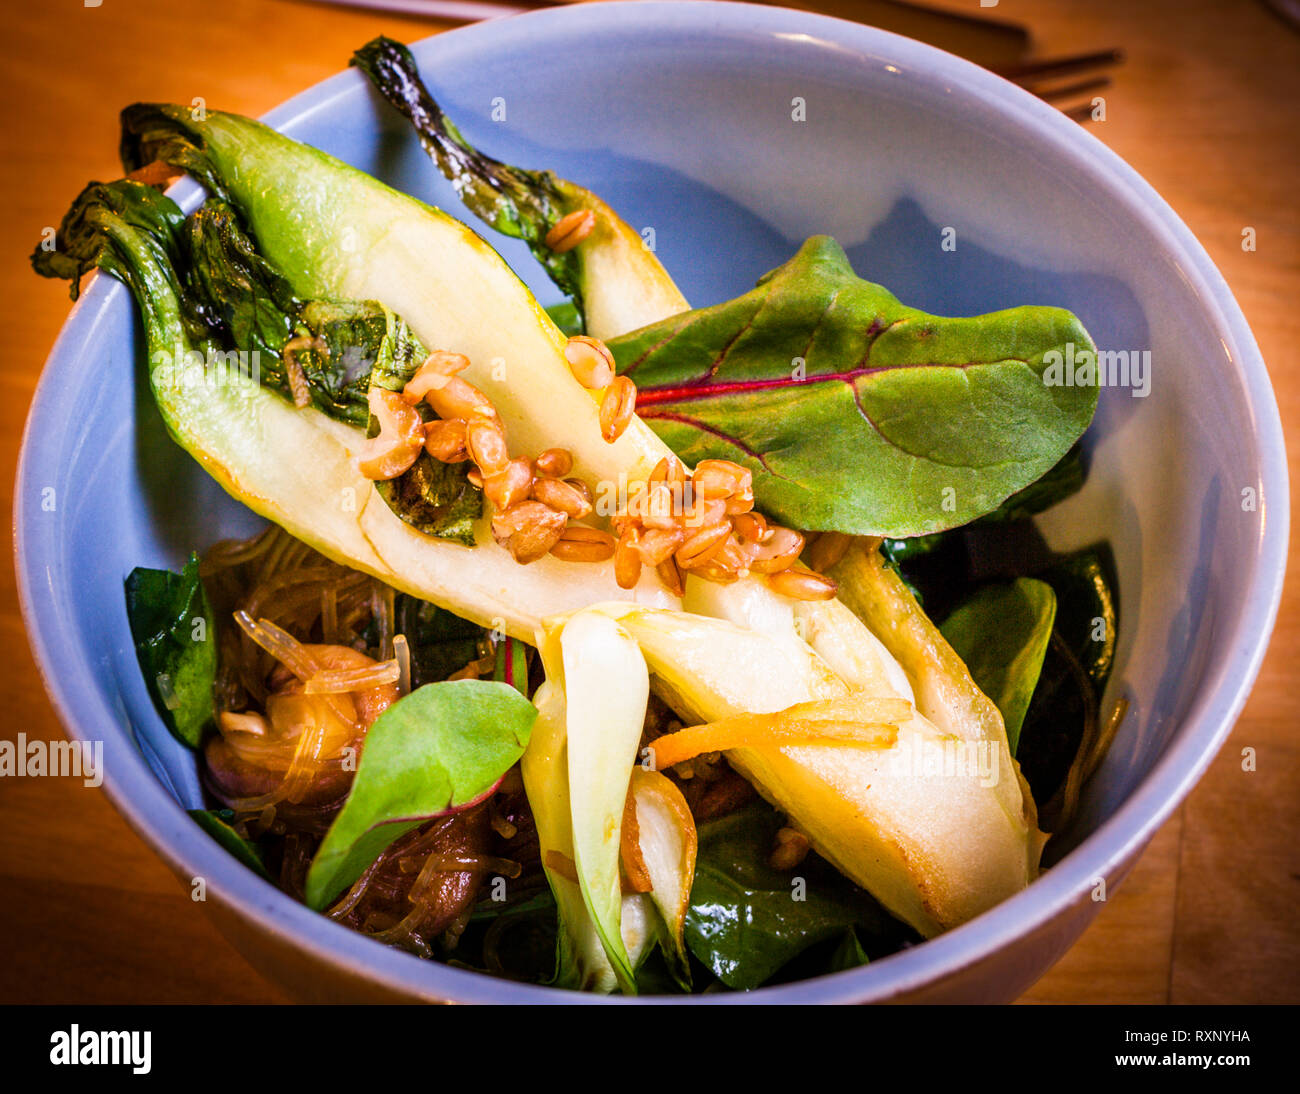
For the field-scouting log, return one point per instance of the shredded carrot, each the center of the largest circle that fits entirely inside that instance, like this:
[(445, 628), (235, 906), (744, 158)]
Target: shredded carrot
[(858, 721)]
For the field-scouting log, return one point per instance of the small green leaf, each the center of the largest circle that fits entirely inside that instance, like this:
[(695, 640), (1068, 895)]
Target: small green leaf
[(567, 317), (746, 919), (1002, 633), (1088, 608), (431, 752), (849, 954), (172, 627), (1087, 630), (933, 421), (216, 824)]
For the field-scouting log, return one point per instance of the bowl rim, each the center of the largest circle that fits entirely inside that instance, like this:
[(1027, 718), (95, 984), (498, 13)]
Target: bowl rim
[(160, 820)]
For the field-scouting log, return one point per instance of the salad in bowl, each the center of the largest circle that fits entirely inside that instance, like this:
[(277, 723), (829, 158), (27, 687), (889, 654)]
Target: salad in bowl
[(616, 645)]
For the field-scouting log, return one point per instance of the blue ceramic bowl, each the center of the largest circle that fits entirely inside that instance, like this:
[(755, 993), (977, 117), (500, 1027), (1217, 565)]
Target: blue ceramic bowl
[(682, 116)]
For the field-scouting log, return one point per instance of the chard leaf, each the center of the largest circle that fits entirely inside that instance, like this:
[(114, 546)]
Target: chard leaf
[(172, 627), (745, 920), (932, 421), (434, 751), (216, 823), (1062, 481), (1002, 633)]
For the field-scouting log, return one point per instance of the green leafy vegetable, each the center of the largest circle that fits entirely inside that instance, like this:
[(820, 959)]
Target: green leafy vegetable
[(849, 954), (565, 316), (172, 627), (747, 919), (435, 498), (1066, 703), (343, 347), (124, 228), (854, 412), (231, 292), (1062, 481), (517, 203), (216, 823), (934, 568), (1002, 633), (515, 940), (234, 308), (1088, 608), (441, 642), (438, 749)]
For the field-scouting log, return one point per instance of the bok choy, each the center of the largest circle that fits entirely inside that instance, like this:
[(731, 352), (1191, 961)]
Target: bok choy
[(615, 281)]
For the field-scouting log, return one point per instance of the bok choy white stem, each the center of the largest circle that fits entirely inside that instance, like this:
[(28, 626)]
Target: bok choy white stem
[(615, 280)]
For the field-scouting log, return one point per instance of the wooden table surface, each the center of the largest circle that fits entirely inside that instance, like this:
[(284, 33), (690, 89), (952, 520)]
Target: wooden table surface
[(1205, 108)]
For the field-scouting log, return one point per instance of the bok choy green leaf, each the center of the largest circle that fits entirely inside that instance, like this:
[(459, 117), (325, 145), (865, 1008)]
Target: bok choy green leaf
[(222, 316), (614, 280)]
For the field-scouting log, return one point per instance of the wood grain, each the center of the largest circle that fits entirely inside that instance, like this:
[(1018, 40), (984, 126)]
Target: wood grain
[(1205, 108)]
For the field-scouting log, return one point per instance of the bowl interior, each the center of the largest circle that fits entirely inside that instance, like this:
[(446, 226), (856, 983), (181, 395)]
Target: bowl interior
[(686, 122)]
